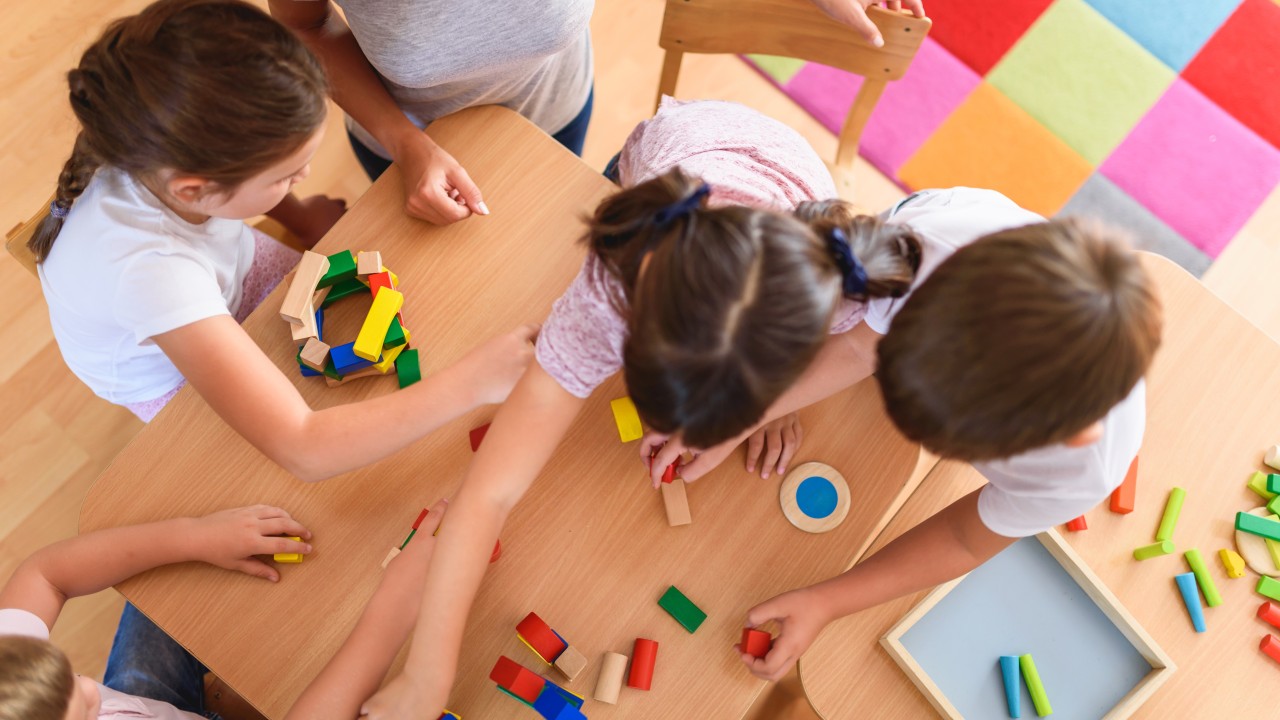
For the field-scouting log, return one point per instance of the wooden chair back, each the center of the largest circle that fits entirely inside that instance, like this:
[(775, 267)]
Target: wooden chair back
[(15, 241)]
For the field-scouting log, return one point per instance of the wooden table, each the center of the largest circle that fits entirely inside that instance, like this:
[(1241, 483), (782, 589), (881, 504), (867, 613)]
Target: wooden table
[(589, 548), (1212, 411)]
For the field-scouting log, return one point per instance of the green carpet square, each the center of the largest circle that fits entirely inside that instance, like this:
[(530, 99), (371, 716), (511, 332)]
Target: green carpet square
[(781, 69)]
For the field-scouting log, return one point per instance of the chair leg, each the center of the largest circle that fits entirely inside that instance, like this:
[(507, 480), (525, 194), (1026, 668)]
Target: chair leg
[(856, 121), (670, 72)]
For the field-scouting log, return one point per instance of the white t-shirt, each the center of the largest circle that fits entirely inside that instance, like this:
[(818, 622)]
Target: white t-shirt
[(126, 268), (115, 705)]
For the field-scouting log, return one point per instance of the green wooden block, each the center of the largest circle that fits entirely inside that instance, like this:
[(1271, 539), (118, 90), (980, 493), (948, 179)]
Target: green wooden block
[(1273, 507), (342, 266), (1203, 578), (1172, 509), (395, 335), (1146, 552), (681, 608), (1273, 484), (1269, 587), (407, 369), (342, 289), (1258, 484), (1258, 526), (330, 370), (1035, 687)]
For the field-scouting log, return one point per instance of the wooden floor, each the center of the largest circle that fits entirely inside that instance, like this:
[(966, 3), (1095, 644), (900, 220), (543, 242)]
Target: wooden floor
[(56, 436)]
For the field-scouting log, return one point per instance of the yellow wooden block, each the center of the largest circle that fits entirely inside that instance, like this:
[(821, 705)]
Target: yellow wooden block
[(288, 557), (395, 280), (1233, 563), (389, 358), (369, 342), (628, 420)]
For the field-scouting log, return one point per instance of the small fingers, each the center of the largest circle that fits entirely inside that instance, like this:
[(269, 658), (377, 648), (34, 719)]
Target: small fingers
[(257, 568), (755, 445), (430, 523), (773, 448), (284, 526)]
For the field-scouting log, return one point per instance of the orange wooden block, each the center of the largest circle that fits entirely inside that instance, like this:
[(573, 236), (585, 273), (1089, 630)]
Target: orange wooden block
[(1122, 498), (1078, 524)]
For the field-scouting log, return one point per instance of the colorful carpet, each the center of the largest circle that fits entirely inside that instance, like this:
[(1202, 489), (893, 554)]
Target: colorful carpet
[(1163, 118)]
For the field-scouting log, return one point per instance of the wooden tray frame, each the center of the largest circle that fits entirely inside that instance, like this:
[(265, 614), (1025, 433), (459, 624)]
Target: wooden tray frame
[(1162, 665)]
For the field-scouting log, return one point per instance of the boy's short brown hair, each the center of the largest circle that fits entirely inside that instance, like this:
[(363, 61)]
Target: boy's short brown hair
[(1020, 340), (35, 679)]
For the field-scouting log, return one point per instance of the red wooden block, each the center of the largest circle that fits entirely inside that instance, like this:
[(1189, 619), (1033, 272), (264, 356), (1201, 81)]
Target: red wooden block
[(643, 658), (1077, 525), (756, 643), (669, 474), (477, 436), (497, 552), (1271, 646), (540, 637), (1122, 498), (377, 281), (1270, 612), (421, 516), (1237, 69), (517, 679)]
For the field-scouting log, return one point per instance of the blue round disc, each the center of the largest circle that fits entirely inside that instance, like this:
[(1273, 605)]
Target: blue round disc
[(817, 497)]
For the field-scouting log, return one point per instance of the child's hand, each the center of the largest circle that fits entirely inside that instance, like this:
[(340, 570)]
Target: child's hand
[(403, 698), (854, 14), (670, 449), (318, 214), (779, 440), (495, 367), (799, 617), (230, 539)]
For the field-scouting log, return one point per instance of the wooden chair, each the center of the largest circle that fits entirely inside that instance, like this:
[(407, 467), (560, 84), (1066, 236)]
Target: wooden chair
[(795, 29)]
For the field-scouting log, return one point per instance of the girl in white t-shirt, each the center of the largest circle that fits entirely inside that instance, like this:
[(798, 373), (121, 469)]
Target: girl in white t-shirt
[(195, 115)]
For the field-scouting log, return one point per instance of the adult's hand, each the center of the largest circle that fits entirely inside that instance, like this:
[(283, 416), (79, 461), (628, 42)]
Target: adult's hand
[(436, 188), (854, 14)]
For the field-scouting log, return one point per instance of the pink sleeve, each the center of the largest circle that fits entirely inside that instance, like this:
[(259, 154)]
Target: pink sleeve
[(15, 621), (847, 316), (580, 344)]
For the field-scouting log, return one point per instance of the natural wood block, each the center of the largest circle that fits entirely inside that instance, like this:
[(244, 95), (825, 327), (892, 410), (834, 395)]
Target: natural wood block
[(613, 667), (368, 263), (676, 502), (297, 301), (571, 663)]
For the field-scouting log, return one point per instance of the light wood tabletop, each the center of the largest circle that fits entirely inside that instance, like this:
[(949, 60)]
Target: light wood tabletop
[(589, 548), (1211, 414)]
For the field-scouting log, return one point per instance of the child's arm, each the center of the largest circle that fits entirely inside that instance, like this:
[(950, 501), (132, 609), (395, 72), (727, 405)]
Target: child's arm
[(94, 561), (525, 433), (944, 547), (356, 670), (427, 170), (243, 386)]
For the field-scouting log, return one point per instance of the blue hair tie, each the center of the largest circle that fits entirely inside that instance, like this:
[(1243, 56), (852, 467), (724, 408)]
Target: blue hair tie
[(682, 207), (851, 269), (58, 211)]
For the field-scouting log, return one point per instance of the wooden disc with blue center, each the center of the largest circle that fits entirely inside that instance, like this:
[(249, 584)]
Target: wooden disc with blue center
[(814, 497)]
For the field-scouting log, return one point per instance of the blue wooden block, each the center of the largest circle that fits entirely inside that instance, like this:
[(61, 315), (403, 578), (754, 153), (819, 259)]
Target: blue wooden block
[(1012, 684), (320, 324), (555, 706), (1191, 598), (308, 372), (345, 360)]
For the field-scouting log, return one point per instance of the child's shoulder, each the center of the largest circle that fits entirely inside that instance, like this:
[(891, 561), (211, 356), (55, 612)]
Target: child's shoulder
[(16, 621), (957, 216)]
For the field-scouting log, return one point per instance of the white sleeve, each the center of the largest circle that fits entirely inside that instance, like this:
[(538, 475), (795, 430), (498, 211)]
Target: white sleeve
[(15, 621), (162, 292)]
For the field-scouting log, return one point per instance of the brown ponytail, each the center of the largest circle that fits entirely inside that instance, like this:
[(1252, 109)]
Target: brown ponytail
[(35, 679), (210, 88), (890, 254)]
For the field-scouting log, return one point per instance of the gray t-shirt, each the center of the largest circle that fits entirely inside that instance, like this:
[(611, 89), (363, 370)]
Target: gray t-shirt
[(436, 57)]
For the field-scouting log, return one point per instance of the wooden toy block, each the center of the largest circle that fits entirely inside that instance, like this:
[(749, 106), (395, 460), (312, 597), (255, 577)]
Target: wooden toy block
[(1172, 509), (497, 551), (1191, 598), (571, 663), (1271, 646), (756, 643), (345, 360), (388, 360), (1078, 524), (1268, 587), (669, 474), (407, 368), (342, 266), (1009, 672), (408, 537), (1273, 506), (676, 501), (477, 436), (288, 557), (373, 333), (574, 698), (421, 516), (1203, 578), (396, 335), (395, 280), (1255, 525), (513, 696), (1146, 552), (1272, 457), (552, 705), (391, 555), (343, 289), (319, 296), (448, 714), (609, 683), (1232, 563), (643, 658), (1034, 686), (309, 327), (314, 354), (1273, 483), (1258, 484), (1269, 612), (517, 679), (351, 377), (1123, 497), (628, 420), (297, 299), (540, 638), (306, 371), (1273, 549), (378, 281), (681, 608), (368, 263)]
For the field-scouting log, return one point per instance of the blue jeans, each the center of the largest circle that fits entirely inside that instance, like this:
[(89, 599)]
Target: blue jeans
[(572, 136), (146, 662)]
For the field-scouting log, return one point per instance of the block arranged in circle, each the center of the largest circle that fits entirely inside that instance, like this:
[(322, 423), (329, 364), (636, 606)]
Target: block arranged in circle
[(990, 142), (373, 332), (1238, 68), (1082, 78), (1175, 32), (980, 39), (814, 497), (1196, 167), (408, 371), (345, 360), (342, 267)]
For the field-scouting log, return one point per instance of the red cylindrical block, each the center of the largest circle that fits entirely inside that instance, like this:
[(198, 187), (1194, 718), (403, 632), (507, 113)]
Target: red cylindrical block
[(643, 658), (1271, 646), (1077, 525), (1270, 612), (756, 643), (497, 551)]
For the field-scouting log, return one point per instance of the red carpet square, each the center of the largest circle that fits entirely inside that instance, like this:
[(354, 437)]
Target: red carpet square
[(1239, 68), (981, 34)]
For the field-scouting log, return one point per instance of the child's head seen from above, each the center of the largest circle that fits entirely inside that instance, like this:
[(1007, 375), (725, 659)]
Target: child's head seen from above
[(36, 683), (1023, 339), (211, 104), (727, 306)]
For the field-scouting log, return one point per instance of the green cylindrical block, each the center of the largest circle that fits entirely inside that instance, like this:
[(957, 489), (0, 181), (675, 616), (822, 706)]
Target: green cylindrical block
[(1034, 686), (1171, 511), (1196, 563), (1146, 552)]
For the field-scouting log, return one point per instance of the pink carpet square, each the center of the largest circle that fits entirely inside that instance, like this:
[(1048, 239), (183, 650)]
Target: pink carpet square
[(908, 112), (1197, 168)]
